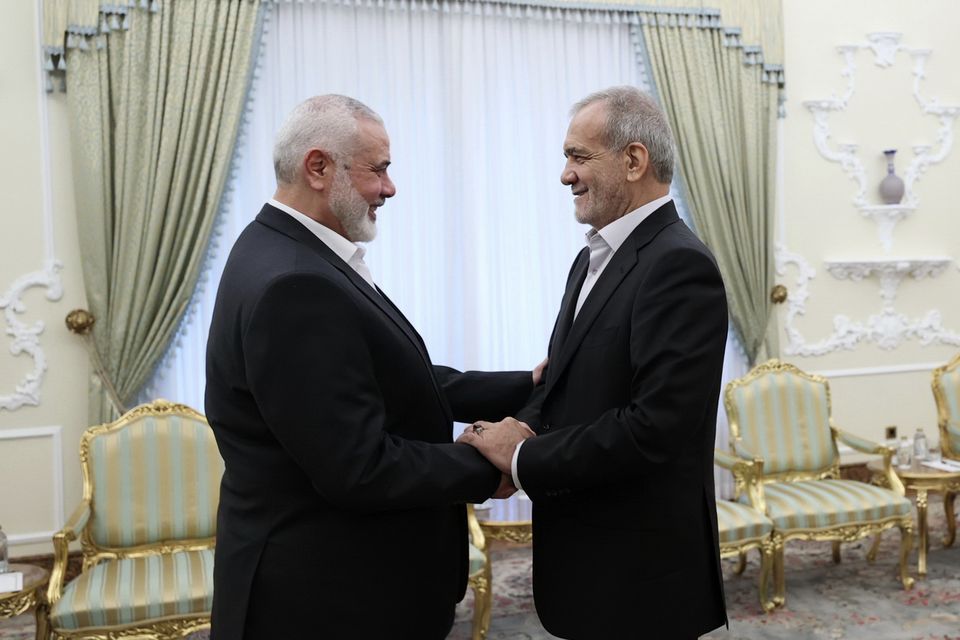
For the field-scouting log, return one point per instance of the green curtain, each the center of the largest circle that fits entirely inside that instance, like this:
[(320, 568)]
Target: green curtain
[(722, 104), (155, 99)]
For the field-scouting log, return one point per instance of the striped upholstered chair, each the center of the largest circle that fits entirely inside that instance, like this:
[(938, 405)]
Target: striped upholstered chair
[(779, 417), (742, 528), (946, 391), (151, 483)]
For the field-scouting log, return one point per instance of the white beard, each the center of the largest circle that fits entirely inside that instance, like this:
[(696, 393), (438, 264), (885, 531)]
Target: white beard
[(351, 209)]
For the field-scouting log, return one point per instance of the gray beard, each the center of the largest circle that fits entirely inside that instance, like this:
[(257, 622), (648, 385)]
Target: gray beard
[(349, 207)]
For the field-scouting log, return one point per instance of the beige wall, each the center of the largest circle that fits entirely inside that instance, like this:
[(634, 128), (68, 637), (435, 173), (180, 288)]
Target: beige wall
[(39, 468), (819, 220)]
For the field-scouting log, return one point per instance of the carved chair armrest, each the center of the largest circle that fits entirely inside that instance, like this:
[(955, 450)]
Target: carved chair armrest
[(953, 429), (61, 548), (868, 446), (747, 475), (856, 442)]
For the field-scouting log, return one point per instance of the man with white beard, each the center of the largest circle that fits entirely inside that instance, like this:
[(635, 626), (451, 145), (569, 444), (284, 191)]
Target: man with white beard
[(341, 505)]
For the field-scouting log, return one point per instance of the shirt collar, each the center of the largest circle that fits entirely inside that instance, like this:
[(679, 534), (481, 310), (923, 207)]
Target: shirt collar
[(345, 250), (617, 232)]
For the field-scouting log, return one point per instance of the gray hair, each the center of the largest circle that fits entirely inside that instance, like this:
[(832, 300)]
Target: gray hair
[(633, 116), (326, 122)]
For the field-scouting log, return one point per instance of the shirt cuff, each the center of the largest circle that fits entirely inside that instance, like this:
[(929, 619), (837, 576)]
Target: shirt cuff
[(513, 466)]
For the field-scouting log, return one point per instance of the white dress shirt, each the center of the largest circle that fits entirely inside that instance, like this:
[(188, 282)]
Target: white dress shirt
[(347, 251), (603, 244)]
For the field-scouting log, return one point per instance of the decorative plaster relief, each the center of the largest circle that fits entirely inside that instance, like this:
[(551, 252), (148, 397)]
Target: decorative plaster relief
[(885, 47), (887, 329), (26, 338)]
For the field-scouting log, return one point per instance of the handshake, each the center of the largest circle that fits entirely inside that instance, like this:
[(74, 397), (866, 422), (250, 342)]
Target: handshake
[(497, 441)]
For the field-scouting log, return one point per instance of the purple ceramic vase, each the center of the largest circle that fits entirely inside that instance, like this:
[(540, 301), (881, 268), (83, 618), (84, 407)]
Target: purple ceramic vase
[(891, 187)]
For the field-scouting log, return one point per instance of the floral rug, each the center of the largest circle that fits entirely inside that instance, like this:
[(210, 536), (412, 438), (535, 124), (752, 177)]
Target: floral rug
[(854, 600)]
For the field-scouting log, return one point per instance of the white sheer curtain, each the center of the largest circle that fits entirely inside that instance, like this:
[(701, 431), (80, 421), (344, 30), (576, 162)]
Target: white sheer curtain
[(476, 245)]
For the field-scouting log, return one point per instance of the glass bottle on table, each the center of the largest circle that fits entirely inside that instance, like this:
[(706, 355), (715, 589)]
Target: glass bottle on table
[(904, 452), (920, 445), (4, 562)]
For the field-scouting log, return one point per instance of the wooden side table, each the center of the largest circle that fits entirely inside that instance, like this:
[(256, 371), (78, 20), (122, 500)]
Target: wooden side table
[(922, 480), (32, 596)]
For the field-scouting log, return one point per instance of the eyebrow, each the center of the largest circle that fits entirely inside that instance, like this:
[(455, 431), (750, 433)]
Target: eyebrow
[(574, 151)]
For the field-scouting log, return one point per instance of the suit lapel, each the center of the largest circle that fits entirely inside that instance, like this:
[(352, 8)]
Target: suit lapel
[(565, 319), (287, 225), (622, 262)]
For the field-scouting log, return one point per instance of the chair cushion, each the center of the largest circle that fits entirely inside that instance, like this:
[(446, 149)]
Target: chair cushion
[(477, 559), (824, 504), (118, 592), (739, 523)]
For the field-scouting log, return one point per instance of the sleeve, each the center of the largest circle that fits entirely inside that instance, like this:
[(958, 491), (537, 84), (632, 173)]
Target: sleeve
[(478, 395), (678, 328), (312, 376)]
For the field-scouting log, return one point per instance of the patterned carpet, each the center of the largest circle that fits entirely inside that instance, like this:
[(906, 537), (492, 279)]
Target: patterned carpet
[(851, 601)]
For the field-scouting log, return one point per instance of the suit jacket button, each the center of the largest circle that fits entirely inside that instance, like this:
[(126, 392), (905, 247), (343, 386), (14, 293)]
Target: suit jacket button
[(546, 427)]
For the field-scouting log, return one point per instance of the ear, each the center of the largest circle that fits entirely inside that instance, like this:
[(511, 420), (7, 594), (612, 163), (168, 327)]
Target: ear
[(638, 161), (318, 169)]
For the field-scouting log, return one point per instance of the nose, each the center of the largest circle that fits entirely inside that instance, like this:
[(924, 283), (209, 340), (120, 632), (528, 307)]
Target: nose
[(387, 188), (568, 176)]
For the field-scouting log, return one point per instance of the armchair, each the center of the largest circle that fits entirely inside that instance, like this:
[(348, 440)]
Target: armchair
[(779, 418), (481, 577), (742, 528), (946, 393), (146, 526)]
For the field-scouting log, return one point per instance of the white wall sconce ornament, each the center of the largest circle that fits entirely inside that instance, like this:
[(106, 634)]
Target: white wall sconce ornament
[(885, 47)]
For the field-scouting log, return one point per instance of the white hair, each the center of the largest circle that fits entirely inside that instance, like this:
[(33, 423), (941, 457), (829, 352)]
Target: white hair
[(327, 122), (633, 116)]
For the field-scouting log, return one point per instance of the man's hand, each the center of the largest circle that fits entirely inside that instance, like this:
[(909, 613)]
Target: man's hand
[(538, 372), (497, 440), (506, 488)]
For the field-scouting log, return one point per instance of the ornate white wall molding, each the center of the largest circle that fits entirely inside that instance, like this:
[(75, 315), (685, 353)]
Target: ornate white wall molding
[(56, 472), (885, 47), (26, 338), (887, 329)]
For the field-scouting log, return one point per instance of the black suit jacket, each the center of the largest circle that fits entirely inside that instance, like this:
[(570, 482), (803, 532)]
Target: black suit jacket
[(621, 471), (341, 509)]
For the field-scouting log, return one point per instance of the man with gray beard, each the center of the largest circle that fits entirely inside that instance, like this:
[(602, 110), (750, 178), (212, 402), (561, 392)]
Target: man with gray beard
[(341, 505)]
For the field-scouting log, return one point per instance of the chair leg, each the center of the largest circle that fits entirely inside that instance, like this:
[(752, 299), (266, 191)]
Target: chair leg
[(42, 616), (906, 543), (741, 563), (766, 568), (872, 553), (779, 580), (481, 604), (948, 499), (836, 552)]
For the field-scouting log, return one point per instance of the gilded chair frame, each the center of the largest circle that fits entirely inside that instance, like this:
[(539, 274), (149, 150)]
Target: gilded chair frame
[(836, 534), (949, 427), (76, 528), (748, 472), (480, 581), (945, 422)]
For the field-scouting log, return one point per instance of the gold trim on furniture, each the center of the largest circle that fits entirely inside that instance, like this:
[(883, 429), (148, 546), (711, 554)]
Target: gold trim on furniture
[(31, 596), (750, 479), (480, 581), (78, 527), (923, 480), (944, 420)]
